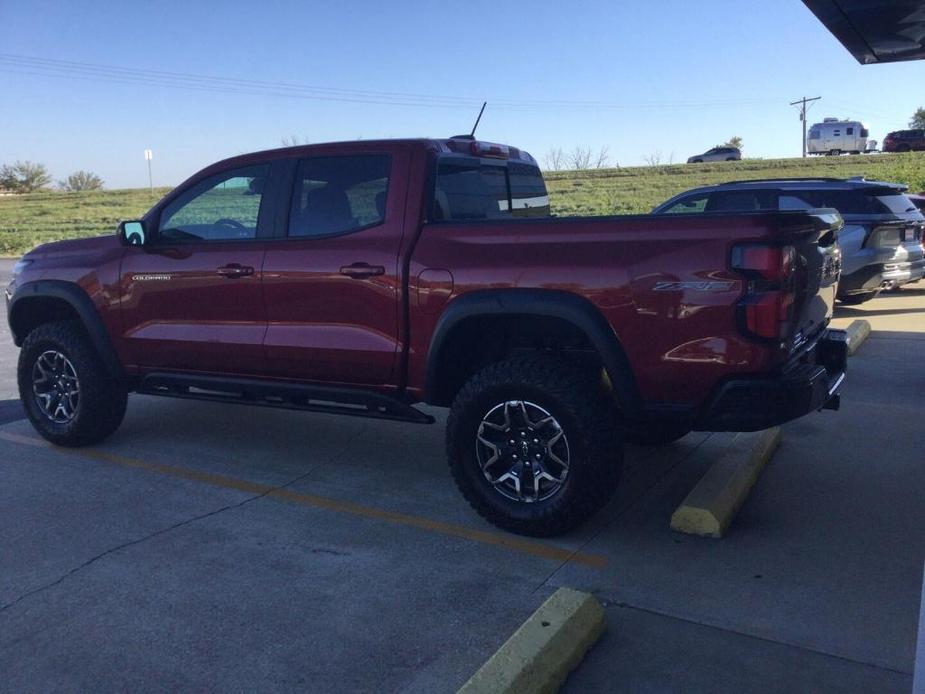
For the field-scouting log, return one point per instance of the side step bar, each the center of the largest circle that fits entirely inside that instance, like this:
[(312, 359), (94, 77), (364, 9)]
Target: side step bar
[(290, 396)]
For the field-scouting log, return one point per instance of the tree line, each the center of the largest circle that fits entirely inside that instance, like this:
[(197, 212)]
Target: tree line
[(28, 177), (585, 158)]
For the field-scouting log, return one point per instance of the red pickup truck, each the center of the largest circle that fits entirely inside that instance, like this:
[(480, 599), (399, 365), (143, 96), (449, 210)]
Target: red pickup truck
[(365, 277)]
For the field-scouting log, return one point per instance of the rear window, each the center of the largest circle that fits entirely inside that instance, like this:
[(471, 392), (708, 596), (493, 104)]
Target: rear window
[(469, 188), (848, 201), (896, 204), (528, 191)]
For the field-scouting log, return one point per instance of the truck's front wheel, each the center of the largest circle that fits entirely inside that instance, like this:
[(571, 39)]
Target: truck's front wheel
[(534, 445), (68, 396)]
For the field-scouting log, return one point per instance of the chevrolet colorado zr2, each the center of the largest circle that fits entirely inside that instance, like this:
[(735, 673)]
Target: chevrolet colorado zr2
[(366, 277)]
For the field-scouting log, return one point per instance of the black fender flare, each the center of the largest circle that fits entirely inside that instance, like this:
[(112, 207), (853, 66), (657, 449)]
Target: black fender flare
[(83, 306), (549, 303)]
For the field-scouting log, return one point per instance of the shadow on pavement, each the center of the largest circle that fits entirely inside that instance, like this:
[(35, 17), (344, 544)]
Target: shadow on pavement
[(863, 313), (11, 410)]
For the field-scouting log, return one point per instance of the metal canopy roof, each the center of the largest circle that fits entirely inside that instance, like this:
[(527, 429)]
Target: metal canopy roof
[(875, 31)]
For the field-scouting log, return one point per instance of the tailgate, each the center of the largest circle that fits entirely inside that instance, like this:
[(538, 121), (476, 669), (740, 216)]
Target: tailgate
[(816, 271)]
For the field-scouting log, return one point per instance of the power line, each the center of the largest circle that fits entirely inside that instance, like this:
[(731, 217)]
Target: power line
[(803, 103), (47, 67)]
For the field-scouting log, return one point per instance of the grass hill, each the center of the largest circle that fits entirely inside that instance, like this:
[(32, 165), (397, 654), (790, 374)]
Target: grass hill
[(638, 189), (28, 220)]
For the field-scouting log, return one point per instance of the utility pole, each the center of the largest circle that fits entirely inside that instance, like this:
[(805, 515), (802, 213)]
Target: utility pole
[(149, 155), (802, 103)]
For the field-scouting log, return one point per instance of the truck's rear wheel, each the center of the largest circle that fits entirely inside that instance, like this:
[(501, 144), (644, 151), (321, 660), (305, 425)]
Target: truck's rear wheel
[(65, 389), (534, 445)]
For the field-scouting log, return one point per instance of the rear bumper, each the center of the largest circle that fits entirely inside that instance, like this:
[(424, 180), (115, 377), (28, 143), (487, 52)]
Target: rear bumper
[(755, 403), (897, 274), (872, 278)]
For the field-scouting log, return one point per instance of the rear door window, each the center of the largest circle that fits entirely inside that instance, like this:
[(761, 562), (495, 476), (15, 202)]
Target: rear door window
[(741, 201), (794, 201), (339, 194)]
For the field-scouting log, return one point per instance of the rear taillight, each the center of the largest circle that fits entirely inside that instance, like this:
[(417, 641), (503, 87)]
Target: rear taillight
[(766, 309), (885, 235), (771, 263)]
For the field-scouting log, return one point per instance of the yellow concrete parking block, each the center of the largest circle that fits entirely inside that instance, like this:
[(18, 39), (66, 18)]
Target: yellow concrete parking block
[(857, 333), (542, 652), (712, 504)]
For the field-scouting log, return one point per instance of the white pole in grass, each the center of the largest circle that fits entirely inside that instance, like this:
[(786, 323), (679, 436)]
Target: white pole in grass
[(918, 681), (149, 155)]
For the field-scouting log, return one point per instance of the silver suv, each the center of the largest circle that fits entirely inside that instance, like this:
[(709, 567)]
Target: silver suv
[(717, 154), (881, 242)]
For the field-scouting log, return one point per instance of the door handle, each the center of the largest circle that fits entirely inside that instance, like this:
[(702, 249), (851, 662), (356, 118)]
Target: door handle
[(361, 271), (235, 270)]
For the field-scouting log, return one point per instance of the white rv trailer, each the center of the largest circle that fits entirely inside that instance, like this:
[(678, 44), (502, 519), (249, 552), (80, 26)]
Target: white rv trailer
[(834, 136)]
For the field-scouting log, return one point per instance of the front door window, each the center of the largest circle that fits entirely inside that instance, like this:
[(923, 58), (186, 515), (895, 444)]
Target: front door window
[(221, 208)]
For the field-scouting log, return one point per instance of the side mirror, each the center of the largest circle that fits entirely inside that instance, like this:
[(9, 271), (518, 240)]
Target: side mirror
[(132, 233)]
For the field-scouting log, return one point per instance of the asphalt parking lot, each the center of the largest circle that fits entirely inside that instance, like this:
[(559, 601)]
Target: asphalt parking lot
[(210, 547)]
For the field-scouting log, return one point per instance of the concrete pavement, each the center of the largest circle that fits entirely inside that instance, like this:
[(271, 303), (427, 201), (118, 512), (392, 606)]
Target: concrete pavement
[(235, 548)]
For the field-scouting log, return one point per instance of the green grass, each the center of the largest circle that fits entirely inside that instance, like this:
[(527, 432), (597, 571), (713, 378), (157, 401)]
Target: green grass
[(28, 220), (638, 189)]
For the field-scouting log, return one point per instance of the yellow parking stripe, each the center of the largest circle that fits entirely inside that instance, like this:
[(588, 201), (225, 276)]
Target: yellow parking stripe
[(510, 542)]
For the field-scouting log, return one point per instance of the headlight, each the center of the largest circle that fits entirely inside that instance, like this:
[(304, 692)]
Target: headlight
[(21, 265)]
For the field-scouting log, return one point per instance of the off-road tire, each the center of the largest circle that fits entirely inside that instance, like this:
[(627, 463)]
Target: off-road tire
[(654, 434), (855, 299), (587, 415), (102, 399)]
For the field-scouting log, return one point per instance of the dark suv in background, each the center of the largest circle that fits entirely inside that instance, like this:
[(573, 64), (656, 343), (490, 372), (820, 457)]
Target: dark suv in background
[(881, 242), (904, 141)]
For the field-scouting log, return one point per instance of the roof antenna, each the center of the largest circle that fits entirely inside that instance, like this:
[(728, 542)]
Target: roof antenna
[(481, 111)]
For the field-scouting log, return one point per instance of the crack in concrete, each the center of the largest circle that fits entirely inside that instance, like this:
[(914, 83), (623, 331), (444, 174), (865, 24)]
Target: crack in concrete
[(111, 550), (132, 543)]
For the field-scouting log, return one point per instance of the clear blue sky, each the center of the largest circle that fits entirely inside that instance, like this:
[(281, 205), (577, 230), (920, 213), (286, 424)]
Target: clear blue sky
[(675, 76)]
